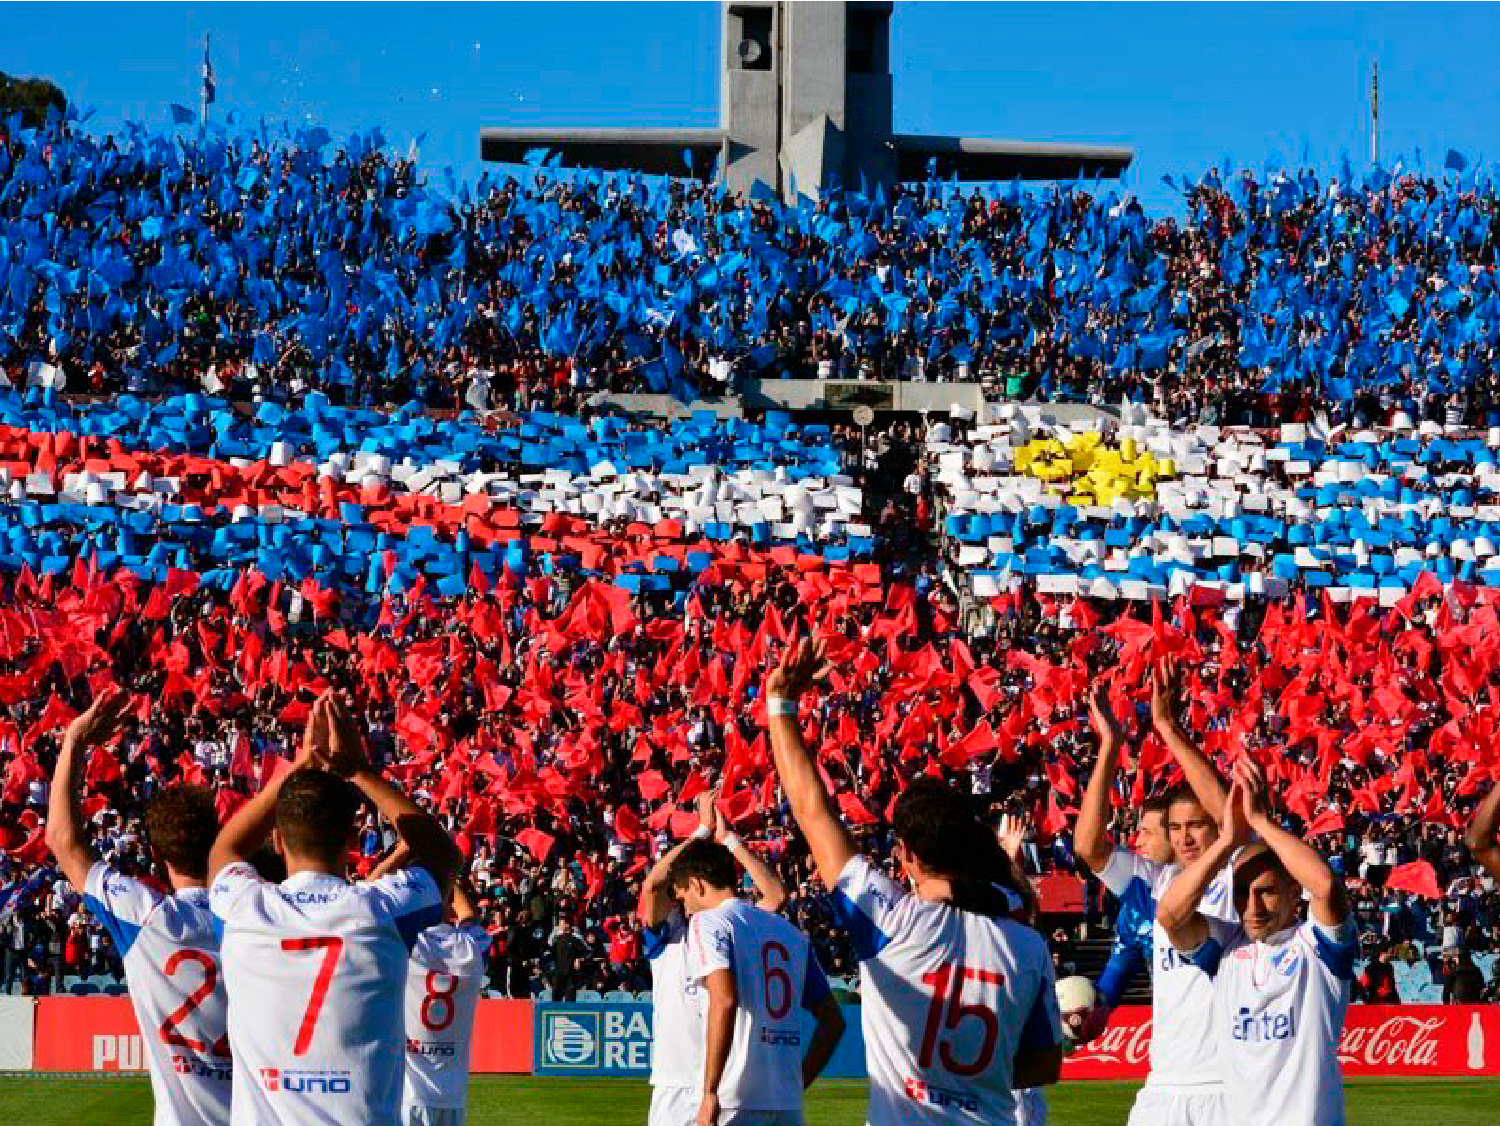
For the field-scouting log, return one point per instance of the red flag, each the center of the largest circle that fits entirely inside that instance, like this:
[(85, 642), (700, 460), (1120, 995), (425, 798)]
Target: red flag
[(1417, 877), (538, 843), (1329, 821)]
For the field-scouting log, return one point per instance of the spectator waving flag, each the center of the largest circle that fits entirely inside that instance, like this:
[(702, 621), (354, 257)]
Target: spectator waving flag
[(208, 77)]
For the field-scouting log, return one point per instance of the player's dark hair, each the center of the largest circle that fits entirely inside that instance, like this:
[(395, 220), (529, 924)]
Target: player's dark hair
[(708, 861), (1180, 792), (941, 829), (1160, 803), (181, 824), (1254, 866), (315, 814)]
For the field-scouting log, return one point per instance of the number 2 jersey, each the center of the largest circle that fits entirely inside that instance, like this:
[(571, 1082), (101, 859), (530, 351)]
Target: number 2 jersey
[(443, 985), (948, 998), (775, 976), (171, 954), (316, 970)]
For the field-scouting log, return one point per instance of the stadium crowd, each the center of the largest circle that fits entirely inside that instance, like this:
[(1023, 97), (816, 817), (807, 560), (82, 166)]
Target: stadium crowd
[(562, 723), (272, 264)]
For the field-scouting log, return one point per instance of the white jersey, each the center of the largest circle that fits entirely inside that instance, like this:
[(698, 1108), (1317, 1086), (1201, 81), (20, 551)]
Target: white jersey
[(171, 955), (775, 975), (1183, 1053), (676, 1008), (948, 998), (315, 968), (1279, 1008), (443, 985)]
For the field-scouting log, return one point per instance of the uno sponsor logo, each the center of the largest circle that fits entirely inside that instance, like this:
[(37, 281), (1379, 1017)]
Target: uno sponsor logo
[(203, 1069), (1404, 1041), (921, 1091), (431, 1049), (286, 1080), (782, 1039)]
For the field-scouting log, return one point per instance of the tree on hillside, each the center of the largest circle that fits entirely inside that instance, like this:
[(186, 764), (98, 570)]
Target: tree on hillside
[(32, 97)]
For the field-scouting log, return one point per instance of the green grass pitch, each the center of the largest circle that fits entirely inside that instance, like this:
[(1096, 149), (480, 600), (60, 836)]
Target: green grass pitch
[(522, 1101)]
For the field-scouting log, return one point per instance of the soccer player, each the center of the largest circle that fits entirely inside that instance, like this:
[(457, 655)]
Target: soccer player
[(1281, 989), (676, 1004), (1183, 1086), (444, 982), (957, 998), (166, 942), (315, 966), (757, 971), (443, 987), (1481, 837)]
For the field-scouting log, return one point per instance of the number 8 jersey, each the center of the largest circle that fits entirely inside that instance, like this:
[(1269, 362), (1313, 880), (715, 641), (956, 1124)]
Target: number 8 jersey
[(171, 955), (315, 968), (947, 999)]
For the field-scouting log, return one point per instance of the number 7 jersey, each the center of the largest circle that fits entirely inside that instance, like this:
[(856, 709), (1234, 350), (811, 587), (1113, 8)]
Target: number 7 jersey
[(315, 969), (947, 1000), (171, 955)]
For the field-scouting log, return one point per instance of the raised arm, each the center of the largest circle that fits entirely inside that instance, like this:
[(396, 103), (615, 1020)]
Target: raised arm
[(1091, 842), (655, 901), (432, 849), (393, 861), (1481, 835), (1329, 905), (1202, 777), (250, 827), (1012, 835), (828, 840), (1177, 912), (65, 835), (772, 891)]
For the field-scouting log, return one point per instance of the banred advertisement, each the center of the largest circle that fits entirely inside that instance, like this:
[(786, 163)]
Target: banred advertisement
[(1377, 1040), (100, 1034)]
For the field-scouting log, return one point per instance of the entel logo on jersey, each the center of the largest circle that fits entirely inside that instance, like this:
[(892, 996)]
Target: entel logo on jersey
[(1257, 1028), (306, 1082)]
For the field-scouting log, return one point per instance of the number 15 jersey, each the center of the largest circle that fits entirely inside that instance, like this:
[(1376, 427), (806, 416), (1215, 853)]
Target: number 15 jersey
[(947, 1000), (315, 968)]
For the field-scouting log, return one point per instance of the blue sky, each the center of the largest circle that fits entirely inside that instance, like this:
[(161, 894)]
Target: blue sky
[(1186, 85)]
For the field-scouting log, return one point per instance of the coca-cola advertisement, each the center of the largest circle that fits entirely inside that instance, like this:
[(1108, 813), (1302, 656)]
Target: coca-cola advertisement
[(1377, 1040)]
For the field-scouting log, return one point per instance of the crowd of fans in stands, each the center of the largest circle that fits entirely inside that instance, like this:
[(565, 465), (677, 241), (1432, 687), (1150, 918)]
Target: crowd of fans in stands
[(259, 267)]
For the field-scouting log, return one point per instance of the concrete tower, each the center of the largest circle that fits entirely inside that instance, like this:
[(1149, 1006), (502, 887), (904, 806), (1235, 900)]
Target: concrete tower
[(805, 97)]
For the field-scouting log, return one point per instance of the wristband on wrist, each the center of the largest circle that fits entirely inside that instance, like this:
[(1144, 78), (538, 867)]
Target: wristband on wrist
[(732, 842), (781, 705), (702, 833)]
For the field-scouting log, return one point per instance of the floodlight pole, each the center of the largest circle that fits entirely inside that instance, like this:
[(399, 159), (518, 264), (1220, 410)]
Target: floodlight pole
[(1375, 113)]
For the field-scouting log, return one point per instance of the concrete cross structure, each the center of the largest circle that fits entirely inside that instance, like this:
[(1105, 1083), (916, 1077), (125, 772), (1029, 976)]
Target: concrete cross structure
[(805, 97)]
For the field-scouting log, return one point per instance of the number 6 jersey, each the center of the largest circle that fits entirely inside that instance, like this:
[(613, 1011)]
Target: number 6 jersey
[(171, 955), (948, 998), (315, 968)]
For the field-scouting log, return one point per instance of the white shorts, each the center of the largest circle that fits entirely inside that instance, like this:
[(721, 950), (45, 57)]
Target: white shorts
[(432, 1116), (678, 1106), (1179, 1106), (674, 1106), (760, 1118), (1031, 1107)]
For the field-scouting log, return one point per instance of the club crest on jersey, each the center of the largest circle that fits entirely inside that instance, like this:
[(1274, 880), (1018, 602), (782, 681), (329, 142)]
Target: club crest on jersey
[(1286, 961)]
